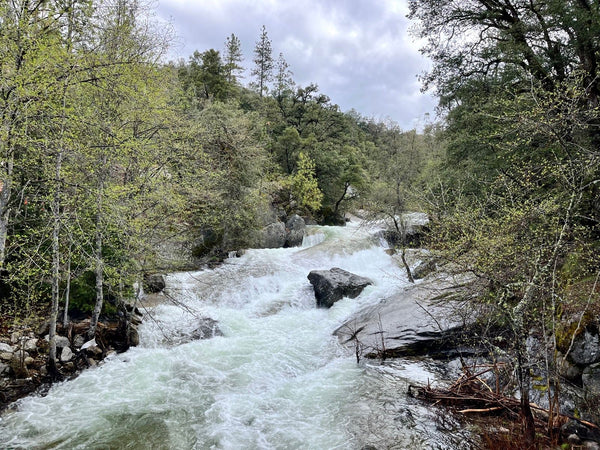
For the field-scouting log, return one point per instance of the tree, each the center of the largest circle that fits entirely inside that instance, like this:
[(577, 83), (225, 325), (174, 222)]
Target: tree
[(233, 59), (304, 185), (284, 83), (263, 60)]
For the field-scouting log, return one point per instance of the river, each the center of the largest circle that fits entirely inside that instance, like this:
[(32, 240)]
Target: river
[(276, 379)]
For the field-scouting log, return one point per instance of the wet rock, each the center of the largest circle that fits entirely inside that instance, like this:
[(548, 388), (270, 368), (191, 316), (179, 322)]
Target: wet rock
[(408, 323), (5, 348), (154, 283), (294, 228), (586, 348), (591, 379), (207, 329), (334, 284), (272, 236), (133, 336), (66, 354)]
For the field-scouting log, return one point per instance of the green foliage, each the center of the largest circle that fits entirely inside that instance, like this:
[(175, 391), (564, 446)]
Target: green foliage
[(304, 185)]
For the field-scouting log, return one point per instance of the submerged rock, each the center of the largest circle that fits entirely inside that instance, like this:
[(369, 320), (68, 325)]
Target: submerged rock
[(207, 329), (408, 323), (334, 284)]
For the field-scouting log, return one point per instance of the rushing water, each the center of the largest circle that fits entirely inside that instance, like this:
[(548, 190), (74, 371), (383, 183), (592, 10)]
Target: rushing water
[(276, 379)]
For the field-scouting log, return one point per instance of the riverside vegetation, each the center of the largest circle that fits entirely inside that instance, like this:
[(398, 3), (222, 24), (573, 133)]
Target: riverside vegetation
[(110, 153)]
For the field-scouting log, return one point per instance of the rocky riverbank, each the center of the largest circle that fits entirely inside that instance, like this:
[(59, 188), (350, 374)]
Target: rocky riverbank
[(24, 352)]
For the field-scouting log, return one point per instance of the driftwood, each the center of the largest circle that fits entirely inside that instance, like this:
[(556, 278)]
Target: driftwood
[(474, 396)]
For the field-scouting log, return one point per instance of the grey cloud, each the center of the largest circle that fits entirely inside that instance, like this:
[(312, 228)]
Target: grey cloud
[(357, 51)]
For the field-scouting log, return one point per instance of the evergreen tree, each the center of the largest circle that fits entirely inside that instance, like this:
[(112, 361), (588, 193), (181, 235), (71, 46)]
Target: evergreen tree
[(233, 59), (263, 60)]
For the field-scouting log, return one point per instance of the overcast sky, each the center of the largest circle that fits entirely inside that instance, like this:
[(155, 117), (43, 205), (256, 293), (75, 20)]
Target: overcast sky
[(359, 52)]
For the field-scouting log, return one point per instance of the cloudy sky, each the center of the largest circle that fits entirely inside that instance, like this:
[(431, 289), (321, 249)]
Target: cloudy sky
[(359, 52)]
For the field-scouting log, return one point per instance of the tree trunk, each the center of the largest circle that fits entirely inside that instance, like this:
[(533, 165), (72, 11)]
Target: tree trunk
[(55, 265), (99, 265)]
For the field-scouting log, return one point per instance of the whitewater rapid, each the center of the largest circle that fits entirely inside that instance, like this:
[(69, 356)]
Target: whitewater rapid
[(276, 379)]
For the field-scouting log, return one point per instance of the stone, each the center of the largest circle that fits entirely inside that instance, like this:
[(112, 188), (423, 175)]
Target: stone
[(78, 340), (424, 268), (5, 348), (591, 445), (207, 329), (294, 228), (43, 328), (4, 369), (30, 345), (409, 323), (6, 356), (61, 341), (66, 354), (133, 337), (272, 236), (334, 284), (590, 379), (566, 369), (573, 439), (586, 348), (154, 283), (28, 361), (15, 337), (92, 348)]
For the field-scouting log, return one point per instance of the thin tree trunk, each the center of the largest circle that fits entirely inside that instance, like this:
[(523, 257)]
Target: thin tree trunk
[(99, 265), (5, 193), (67, 291), (55, 265)]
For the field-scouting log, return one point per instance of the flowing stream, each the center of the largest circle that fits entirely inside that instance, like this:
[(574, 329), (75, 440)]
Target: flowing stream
[(276, 379)]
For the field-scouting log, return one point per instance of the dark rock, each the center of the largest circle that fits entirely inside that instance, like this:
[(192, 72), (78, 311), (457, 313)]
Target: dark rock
[(586, 348), (154, 283), (574, 427), (4, 369), (566, 369), (332, 285), (133, 336), (591, 379), (207, 329), (294, 228), (272, 236), (78, 340)]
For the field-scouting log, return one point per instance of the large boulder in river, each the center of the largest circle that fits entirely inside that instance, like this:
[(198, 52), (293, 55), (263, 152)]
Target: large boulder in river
[(415, 321), (154, 283), (294, 228), (332, 285)]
